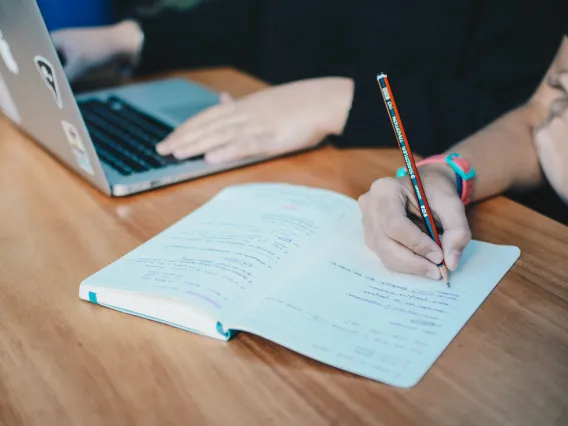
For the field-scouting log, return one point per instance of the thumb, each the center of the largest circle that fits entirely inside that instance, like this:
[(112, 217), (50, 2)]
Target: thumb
[(451, 214), (226, 98)]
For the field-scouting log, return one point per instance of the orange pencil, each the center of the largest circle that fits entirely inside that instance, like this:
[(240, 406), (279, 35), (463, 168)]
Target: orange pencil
[(413, 174)]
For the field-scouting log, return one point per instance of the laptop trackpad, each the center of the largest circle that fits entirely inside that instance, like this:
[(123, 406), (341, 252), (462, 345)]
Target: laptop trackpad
[(182, 112), (173, 100)]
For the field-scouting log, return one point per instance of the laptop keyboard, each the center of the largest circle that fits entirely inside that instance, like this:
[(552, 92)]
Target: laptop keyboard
[(124, 137)]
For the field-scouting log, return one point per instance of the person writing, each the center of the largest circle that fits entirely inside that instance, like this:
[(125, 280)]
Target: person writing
[(527, 148), (322, 57)]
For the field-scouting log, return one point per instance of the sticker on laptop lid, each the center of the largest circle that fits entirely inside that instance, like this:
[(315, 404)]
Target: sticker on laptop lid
[(77, 146), (8, 56), (7, 104), (47, 73)]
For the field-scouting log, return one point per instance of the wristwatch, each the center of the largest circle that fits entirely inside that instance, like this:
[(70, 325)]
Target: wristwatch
[(463, 170)]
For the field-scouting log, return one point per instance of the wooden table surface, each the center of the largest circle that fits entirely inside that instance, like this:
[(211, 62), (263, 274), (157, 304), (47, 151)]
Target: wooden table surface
[(67, 362)]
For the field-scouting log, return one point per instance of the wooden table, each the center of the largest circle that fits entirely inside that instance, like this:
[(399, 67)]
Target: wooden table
[(64, 361)]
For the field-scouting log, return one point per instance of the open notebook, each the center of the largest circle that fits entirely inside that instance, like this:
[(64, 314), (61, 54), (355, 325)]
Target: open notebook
[(289, 264)]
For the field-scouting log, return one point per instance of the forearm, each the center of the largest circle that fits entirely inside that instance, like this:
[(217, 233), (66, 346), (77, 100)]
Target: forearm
[(436, 112), (337, 105), (503, 153), (128, 39)]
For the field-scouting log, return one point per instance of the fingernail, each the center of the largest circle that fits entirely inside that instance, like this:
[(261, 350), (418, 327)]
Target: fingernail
[(212, 159), (454, 259), (217, 158), (180, 155), (435, 257), (162, 148), (434, 273)]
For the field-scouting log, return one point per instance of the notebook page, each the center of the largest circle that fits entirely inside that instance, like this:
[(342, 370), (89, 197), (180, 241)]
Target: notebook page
[(345, 309), (231, 247)]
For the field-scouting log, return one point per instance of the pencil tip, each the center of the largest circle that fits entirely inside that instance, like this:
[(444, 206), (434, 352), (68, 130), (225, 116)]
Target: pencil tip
[(445, 274)]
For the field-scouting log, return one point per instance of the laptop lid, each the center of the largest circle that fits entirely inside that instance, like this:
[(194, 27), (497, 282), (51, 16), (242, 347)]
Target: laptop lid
[(36, 95)]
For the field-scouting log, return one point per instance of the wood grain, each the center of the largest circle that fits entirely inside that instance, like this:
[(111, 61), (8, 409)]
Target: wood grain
[(67, 362)]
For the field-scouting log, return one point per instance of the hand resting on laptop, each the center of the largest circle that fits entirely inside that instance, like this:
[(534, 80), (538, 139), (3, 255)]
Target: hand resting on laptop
[(277, 120)]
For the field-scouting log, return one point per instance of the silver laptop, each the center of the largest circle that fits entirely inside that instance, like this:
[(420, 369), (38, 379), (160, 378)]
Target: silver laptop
[(106, 136)]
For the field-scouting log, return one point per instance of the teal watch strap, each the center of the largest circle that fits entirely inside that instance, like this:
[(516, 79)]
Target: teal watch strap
[(451, 161)]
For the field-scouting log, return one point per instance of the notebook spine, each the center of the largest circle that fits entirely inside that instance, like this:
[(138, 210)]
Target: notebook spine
[(224, 332)]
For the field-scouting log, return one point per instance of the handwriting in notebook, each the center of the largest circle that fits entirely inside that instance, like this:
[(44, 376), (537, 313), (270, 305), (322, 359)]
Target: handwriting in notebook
[(220, 259), (328, 337), (417, 309), (217, 257), (375, 325)]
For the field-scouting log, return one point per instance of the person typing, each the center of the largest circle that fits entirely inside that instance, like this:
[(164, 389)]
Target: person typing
[(322, 57)]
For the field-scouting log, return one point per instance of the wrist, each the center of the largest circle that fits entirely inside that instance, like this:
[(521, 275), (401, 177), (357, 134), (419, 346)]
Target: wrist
[(442, 172), (337, 99), (126, 39), (461, 174)]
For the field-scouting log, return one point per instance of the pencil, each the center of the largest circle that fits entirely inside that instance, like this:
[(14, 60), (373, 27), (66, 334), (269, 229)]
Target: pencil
[(413, 174)]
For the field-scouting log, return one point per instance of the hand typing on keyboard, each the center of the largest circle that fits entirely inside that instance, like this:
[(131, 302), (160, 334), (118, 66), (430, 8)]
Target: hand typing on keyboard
[(124, 137), (274, 121)]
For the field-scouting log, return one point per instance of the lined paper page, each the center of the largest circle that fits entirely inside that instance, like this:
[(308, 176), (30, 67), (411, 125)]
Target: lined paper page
[(345, 309), (232, 246)]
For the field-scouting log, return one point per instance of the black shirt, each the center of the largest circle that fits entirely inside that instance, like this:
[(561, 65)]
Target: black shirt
[(454, 66)]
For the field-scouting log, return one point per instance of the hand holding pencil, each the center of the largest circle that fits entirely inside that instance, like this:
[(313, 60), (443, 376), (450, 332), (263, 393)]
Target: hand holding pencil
[(428, 194)]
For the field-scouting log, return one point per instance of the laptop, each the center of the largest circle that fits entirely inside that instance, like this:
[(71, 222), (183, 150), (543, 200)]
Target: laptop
[(106, 136)]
